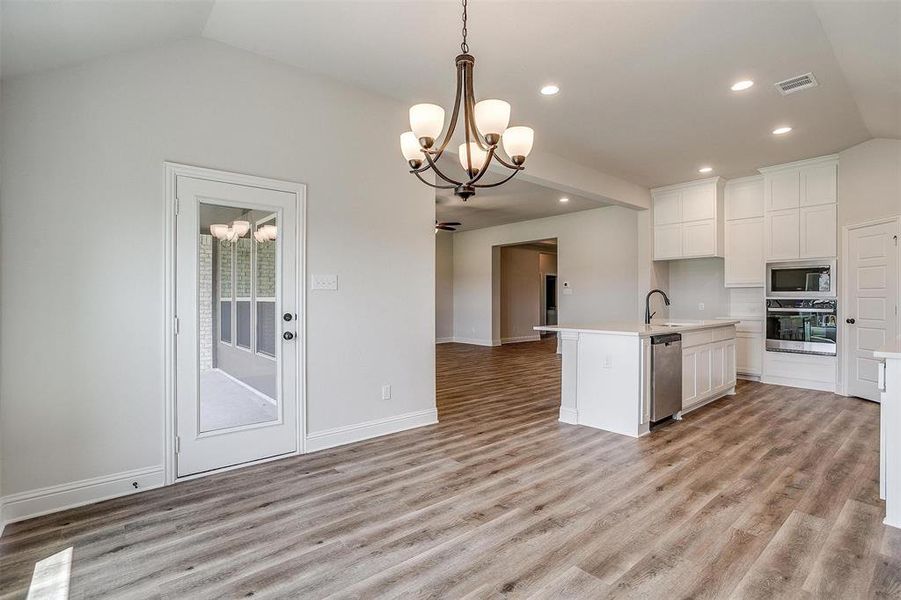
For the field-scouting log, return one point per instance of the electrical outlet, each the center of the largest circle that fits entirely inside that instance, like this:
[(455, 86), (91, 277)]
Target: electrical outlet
[(324, 282), (386, 391), (700, 306)]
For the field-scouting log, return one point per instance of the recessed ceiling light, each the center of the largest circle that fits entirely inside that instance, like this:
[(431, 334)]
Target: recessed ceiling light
[(781, 130), (550, 89), (564, 199), (705, 169), (739, 86)]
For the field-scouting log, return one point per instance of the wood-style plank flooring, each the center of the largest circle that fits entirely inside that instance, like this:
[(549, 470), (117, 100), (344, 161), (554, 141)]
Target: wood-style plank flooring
[(771, 493)]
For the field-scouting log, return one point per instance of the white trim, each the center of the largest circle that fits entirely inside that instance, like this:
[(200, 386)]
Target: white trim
[(688, 184), (569, 415), (348, 434), (521, 338), (171, 171), (806, 384), (444, 340), (799, 163), (34, 503), (844, 367), (476, 341)]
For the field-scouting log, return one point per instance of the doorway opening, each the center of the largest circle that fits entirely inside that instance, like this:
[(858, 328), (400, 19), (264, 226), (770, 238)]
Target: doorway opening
[(527, 289)]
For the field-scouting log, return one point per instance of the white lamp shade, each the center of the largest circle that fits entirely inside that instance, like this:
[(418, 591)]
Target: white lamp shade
[(218, 231), (270, 231), (241, 228), (492, 116), (231, 235), (426, 120), (518, 141), (260, 236), (477, 155), (409, 146)]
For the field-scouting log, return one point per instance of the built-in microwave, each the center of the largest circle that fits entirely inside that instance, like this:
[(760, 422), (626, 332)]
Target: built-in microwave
[(801, 279)]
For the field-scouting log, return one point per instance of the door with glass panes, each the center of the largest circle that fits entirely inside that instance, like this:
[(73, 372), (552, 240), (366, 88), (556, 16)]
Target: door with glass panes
[(236, 305)]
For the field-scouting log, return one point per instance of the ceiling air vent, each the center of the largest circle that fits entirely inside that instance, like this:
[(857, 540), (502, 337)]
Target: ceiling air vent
[(796, 84)]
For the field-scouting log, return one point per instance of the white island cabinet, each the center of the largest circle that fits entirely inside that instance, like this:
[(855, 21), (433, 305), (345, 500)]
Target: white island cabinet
[(606, 379), (890, 431)]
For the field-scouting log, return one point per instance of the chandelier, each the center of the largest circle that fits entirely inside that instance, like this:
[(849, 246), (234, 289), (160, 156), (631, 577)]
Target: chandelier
[(238, 229), (485, 126)]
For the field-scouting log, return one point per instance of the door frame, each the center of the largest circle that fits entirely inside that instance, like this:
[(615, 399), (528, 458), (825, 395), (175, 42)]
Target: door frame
[(845, 296), (171, 170)]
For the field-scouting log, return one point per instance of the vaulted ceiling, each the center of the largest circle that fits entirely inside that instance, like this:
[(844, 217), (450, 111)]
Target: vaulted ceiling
[(644, 85)]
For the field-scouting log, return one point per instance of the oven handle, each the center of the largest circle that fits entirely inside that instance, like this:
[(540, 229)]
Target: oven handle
[(802, 310)]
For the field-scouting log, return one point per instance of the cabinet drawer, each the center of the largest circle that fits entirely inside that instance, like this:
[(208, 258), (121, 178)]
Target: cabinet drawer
[(697, 338)]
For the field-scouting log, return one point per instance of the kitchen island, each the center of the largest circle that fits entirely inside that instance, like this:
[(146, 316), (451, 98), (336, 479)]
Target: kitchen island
[(606, 378)]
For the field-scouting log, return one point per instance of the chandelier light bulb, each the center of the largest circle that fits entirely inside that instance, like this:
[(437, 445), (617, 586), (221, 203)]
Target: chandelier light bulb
[(426, 121), (518, 143), (241, 228), (492, 117), (477, 155), (410, 148)]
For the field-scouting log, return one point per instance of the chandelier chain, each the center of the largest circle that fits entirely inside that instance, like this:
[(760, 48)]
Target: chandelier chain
[(464, 46)]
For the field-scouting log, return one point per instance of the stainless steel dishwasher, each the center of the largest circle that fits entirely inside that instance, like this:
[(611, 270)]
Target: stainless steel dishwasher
[(666, 375)]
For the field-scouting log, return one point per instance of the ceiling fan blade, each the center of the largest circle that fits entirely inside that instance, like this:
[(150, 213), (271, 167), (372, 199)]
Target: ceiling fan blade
[(451, 223), (445, 227)]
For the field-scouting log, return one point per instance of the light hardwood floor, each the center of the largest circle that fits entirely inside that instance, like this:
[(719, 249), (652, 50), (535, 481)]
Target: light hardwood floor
[(771, 493)]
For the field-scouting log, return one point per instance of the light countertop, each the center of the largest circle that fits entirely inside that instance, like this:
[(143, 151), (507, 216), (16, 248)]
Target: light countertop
[(891, 349), (640, 329)]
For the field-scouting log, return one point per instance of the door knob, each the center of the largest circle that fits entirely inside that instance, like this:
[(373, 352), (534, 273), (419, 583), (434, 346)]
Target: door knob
[(288, 336), (850, 321), (287, 316)]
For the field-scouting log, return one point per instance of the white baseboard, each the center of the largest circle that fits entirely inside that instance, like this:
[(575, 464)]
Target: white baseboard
[(444, 340), (477, 342), (329, 438), (34, 503), (569, 415), (806, 384), (522, 338)]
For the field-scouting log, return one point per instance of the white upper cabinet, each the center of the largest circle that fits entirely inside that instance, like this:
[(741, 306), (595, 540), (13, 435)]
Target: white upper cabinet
[(800, 209), (668, 208), (744, 230), (688, 220), (818, 231), (783, 190), (819, 185)]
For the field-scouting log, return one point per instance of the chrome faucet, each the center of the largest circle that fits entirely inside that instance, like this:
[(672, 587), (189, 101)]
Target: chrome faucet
[(648, 315)]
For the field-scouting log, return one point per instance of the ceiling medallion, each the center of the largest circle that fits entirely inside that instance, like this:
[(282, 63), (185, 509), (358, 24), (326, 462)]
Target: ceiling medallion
[(485, 125)]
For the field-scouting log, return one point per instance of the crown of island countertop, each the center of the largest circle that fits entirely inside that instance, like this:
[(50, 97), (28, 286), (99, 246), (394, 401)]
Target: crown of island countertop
[(640, 329)]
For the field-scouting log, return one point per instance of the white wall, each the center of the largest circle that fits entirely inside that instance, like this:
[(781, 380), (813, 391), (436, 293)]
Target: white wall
[(597, 255), (444, 286), (869, 181), (81, 331), (694, 282)]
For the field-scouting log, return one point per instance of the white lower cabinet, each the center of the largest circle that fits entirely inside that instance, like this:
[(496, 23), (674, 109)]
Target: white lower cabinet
[(708, 366)]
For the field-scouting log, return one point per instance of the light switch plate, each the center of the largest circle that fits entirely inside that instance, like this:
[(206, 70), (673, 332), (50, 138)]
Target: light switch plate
[(324, 282)]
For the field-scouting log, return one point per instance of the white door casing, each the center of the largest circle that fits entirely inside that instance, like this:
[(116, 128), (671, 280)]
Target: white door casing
[(871, 301), (188, 451)]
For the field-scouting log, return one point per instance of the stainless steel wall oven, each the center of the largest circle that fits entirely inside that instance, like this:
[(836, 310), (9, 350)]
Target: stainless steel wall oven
[(801, 325)]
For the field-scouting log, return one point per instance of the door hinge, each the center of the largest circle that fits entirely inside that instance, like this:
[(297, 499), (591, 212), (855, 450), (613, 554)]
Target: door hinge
[(895, 237), (176, 325), (177, 444), (176, 206)]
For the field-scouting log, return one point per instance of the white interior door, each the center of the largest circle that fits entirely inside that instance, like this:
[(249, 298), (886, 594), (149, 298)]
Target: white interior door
[(237, 337), (871, 315)]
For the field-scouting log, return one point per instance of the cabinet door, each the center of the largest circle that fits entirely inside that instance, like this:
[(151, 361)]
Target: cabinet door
[(744, 199), (818, 231), (729, 364), (782, 234), (818, 185), (668, 242), (667, 208), (703, 380), (699, 238), (717, 365), (748, 353), (744, 262), (699, 203), (689, 383), (783, 190)]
